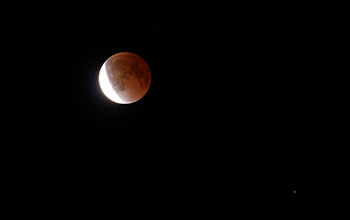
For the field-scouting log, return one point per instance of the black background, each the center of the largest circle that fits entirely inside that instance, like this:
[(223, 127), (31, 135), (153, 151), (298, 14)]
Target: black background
[(218, 126)]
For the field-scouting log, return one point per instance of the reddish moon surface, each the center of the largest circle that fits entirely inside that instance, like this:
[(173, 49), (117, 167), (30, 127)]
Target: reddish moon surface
[(125, 78)]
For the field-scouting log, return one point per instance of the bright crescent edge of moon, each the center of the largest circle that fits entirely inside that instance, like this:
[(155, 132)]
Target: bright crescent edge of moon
[(107, 87)]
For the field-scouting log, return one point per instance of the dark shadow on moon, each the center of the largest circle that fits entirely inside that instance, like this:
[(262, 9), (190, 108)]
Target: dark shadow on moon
[(129, 75), (127, 66)]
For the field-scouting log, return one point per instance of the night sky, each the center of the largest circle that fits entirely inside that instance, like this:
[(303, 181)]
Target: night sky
[(218, 125)]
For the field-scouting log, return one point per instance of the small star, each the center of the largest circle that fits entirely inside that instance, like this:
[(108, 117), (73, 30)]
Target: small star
[(294, 191)]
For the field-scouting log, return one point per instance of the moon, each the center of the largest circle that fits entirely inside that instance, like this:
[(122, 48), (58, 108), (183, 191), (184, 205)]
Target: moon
[(125, 78)]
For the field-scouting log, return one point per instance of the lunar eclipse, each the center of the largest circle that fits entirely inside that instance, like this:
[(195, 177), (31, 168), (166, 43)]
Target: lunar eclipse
[(125, 78)]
